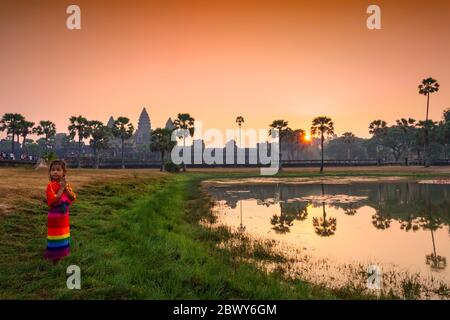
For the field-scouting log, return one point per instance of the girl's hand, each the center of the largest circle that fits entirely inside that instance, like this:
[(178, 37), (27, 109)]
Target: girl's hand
[(63, 183)]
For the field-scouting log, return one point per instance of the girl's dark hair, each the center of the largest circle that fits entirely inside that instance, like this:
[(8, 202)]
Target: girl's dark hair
[(58, 162)]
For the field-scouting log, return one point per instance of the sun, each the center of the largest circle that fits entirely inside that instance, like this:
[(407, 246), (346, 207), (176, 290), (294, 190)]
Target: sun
[(307, 137)]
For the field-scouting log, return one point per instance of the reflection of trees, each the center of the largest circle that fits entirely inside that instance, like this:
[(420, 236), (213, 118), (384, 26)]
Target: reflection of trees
[(350, 209), (324, 226), (381, 221), (280, 223), (407, 203), (436, 261), (241, 227), (410, 223), (289, 213), (431, 222)]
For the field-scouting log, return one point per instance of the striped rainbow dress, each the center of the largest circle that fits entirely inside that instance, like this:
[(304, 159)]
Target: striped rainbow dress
[(58, 226)]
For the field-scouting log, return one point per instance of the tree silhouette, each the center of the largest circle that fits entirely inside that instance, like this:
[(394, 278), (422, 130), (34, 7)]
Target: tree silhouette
[(124, 130), (408, 137), (100, 135), (378, 128), (79, 126), (10, 123), (47, 129), (184, 124), (162, 143), (25, 129), (349, 139), (443, 134), (322, 126), (283, 133), (427, 87)]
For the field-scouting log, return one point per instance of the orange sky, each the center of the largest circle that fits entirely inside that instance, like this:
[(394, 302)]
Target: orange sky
[(263, 60)]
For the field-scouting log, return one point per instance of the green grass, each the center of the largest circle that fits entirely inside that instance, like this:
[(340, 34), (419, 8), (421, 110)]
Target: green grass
[(140, 239), (134, 240)]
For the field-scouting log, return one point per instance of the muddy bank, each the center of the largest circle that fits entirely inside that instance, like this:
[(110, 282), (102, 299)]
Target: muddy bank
[(307, 180)]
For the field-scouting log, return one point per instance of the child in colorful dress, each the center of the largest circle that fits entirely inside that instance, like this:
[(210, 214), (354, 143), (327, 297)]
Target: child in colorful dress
[(59, 197)]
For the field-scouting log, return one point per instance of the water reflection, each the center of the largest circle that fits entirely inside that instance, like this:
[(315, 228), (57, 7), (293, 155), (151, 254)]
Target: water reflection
[(399, 214), (324, 226)]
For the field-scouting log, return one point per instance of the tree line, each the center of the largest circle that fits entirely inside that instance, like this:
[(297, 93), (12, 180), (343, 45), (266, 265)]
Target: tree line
[(426, 139)]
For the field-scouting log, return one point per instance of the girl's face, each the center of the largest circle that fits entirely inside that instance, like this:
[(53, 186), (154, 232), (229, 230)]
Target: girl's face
[(56, 172)]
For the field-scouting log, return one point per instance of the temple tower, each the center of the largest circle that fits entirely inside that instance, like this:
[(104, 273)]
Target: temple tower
[(143, 132)]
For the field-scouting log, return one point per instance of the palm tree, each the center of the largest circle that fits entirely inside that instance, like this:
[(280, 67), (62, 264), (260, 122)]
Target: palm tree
[(283, 132), (47, 129), (25, 129), (79, 126), (348, 138), (240, 121), (184, 124), (324, 126), (124, 130), (100, 135), (427, 87), (11, 123), (162, 142)]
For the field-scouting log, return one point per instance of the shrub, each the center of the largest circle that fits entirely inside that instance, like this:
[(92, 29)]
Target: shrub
[(169, 166), (49, 156)]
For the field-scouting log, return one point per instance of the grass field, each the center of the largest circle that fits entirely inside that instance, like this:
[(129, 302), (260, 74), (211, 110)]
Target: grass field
[(136, 236)]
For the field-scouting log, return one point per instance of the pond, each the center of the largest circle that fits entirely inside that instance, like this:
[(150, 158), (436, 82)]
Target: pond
[(402, 227)]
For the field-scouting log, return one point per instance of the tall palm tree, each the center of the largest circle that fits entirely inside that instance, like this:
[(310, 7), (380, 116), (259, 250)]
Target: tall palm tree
[(324, 126), (100, 135), (162, 142), (47, 129), (26, 128), (124, 130), (348, 138), (284, 132), (11, 123), (184, 123), (427, 87), (79, 126), (240, 121)]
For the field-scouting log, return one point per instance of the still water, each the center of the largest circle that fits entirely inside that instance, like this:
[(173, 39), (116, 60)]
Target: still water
[(398, 225)]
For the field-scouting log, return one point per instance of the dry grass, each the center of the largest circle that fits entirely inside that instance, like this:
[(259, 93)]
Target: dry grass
[(19, 185), (22, 185)]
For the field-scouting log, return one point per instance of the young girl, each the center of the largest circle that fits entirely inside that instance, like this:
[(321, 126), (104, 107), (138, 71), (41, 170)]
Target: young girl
[(59, 198)]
